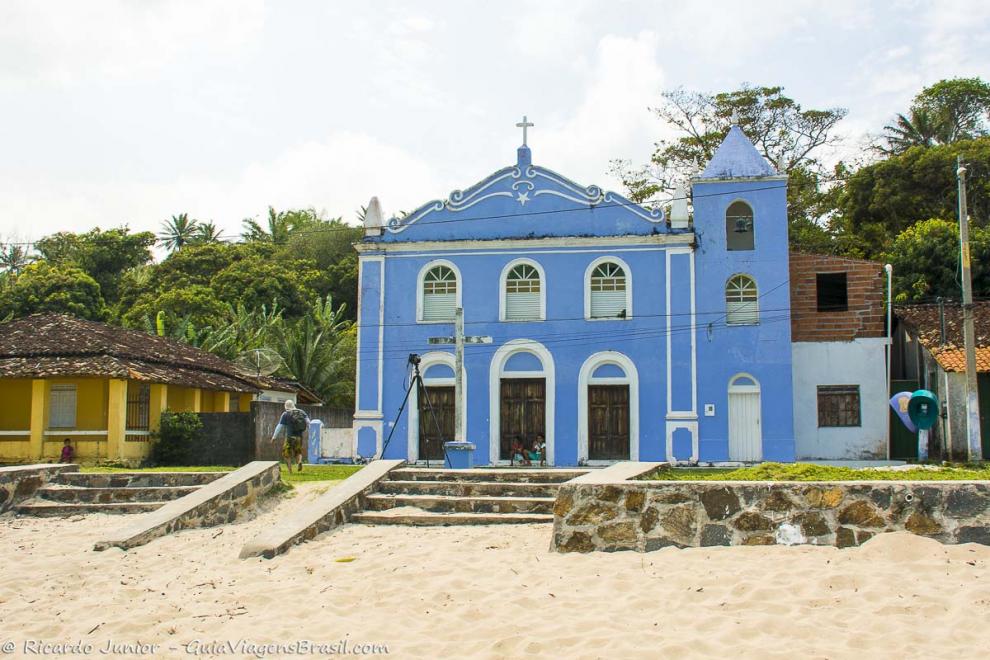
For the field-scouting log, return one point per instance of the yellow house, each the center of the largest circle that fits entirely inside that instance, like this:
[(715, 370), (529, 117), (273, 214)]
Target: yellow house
[(104, 388)]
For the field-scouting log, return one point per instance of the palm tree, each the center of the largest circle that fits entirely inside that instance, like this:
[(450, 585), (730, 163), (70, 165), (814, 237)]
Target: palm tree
[(309, 345), (918, 128), (178, 231), (277, 231), (13, 258), (207, 232)]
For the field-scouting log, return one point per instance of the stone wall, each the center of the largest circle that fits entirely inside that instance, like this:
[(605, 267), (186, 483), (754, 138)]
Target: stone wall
[(648, 515), (19, 482), (215, 503), (226, 439)]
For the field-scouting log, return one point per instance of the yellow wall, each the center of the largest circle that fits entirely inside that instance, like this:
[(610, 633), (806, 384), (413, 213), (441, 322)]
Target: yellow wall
[(92, 410), (15, 404)]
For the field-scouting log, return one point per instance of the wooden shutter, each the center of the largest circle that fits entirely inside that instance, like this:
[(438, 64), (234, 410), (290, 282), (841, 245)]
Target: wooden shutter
[(62, 407), (522, 306), (439, 306)]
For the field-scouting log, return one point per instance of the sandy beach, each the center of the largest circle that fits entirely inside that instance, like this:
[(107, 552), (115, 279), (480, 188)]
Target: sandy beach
[(487, 592)]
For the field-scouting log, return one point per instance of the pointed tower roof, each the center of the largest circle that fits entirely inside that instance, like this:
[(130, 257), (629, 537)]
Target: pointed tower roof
[(736, 158)]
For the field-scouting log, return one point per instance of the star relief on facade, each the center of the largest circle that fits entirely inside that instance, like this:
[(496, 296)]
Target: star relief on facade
[(524, 183)]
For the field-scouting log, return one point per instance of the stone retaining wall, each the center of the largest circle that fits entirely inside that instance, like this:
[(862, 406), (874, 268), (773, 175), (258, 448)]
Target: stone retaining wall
[(215, 503), (648, 515), (19, 482)]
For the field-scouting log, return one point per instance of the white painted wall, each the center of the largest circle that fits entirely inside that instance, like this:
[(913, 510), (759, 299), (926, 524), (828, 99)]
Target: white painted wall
[(337, 443), (858, 362)]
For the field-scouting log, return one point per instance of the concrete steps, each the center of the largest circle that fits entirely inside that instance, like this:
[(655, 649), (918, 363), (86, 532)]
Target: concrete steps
[(469, 488), (452, 504), (75, 493), (507, 474), (482, 496), (82, 495), (43, 508), (428, 518)]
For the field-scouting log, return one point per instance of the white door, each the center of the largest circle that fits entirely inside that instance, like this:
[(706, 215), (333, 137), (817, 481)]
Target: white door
[(745, 432)]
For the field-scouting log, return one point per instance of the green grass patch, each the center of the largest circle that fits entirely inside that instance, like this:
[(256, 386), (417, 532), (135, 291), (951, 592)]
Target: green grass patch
[(309, 473), (175, 468), (810, 472), (318, 473)]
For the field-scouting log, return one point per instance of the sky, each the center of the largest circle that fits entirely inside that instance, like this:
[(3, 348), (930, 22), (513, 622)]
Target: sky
[(118, 112)]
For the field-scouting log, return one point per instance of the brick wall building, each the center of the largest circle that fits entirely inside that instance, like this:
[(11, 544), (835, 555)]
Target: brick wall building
[(835, 298), (839, 340)]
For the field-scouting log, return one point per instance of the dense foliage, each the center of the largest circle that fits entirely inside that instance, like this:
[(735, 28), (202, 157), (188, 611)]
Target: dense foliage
[(177, 438)]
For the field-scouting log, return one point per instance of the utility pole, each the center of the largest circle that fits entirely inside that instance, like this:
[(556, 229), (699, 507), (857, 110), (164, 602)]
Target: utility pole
[(458, 368), (459, 340), (973, 445)]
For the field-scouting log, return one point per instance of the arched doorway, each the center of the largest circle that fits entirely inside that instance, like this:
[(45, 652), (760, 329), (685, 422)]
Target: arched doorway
[(745, 423), (521, 397), (425, 439), (608, 409)]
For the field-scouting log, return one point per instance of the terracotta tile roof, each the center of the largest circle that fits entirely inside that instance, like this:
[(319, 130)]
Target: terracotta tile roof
[(923, 322), (51, 345)]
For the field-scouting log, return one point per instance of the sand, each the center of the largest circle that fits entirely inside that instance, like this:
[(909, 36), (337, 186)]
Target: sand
[(489, 592)]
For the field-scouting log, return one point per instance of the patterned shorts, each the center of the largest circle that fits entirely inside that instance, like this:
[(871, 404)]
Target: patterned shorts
[(292, 445)]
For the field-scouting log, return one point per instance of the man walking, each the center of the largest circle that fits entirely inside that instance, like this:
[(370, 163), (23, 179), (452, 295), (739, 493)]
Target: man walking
[(294, 422)]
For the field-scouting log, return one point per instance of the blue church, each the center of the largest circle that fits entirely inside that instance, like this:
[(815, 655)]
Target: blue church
[(613, 331)]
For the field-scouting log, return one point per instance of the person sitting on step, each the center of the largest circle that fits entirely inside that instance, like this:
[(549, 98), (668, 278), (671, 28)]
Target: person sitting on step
[(518, 452), (538, 452)]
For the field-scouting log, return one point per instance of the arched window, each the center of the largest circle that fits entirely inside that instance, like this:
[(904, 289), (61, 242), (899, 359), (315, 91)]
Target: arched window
[(439, 294), (523, 293), (608, 292), (741, 301), (739, 227)]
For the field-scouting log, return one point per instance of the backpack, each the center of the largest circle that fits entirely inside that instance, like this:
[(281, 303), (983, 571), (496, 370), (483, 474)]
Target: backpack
[(297, 422)]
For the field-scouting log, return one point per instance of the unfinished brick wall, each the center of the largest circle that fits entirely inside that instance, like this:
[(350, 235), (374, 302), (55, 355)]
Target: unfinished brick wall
[(865, 284)]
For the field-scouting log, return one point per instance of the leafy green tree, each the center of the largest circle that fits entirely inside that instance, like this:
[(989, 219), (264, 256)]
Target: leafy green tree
[(196, 304), (256, 281), (43, 287), (178, 231), (104, 255), (946, 112), (925, 257), (329, 245), (789, 136), (883, 199)]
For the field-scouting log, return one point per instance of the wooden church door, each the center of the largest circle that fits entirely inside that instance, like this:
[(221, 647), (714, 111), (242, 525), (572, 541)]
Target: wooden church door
[(608, 422), (431, 444), (522, 413)]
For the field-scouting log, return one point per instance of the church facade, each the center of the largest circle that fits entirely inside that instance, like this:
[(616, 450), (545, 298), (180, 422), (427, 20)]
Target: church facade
[(611, 332)]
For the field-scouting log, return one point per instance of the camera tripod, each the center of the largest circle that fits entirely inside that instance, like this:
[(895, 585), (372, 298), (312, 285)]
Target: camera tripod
[(417, 382)]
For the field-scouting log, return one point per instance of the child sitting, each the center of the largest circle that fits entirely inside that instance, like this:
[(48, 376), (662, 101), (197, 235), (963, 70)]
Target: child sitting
[(68, 453), (538, 452), (518, 453)]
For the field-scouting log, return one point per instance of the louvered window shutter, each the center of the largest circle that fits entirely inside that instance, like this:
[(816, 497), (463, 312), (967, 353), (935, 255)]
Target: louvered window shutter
[(62, 407), (608, 291), (522, 294), (741, 301), (439, 294)]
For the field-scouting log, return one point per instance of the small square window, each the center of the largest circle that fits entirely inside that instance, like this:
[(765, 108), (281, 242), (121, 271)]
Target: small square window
[(838, 405), (833, 294)]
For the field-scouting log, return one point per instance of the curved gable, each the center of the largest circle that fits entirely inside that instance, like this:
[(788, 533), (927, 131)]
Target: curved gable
[(525, 201)]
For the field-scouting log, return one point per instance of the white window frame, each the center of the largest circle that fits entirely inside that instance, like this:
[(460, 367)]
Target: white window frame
[(504, 293), (587, 289), (756, 301), (421, 278), (67, 422)]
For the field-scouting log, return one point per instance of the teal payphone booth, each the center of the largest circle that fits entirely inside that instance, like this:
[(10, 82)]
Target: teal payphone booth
[(923, 410)]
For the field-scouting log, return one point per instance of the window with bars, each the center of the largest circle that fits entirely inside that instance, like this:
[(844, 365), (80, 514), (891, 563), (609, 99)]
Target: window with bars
[(522, 294), (741, 301), (838, 405), (608, 291), (439, 294), (62, 407), (739, 227), (138, 406)]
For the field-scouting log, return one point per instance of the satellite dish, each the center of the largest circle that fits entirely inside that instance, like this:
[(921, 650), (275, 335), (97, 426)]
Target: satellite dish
[(259, 362)]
